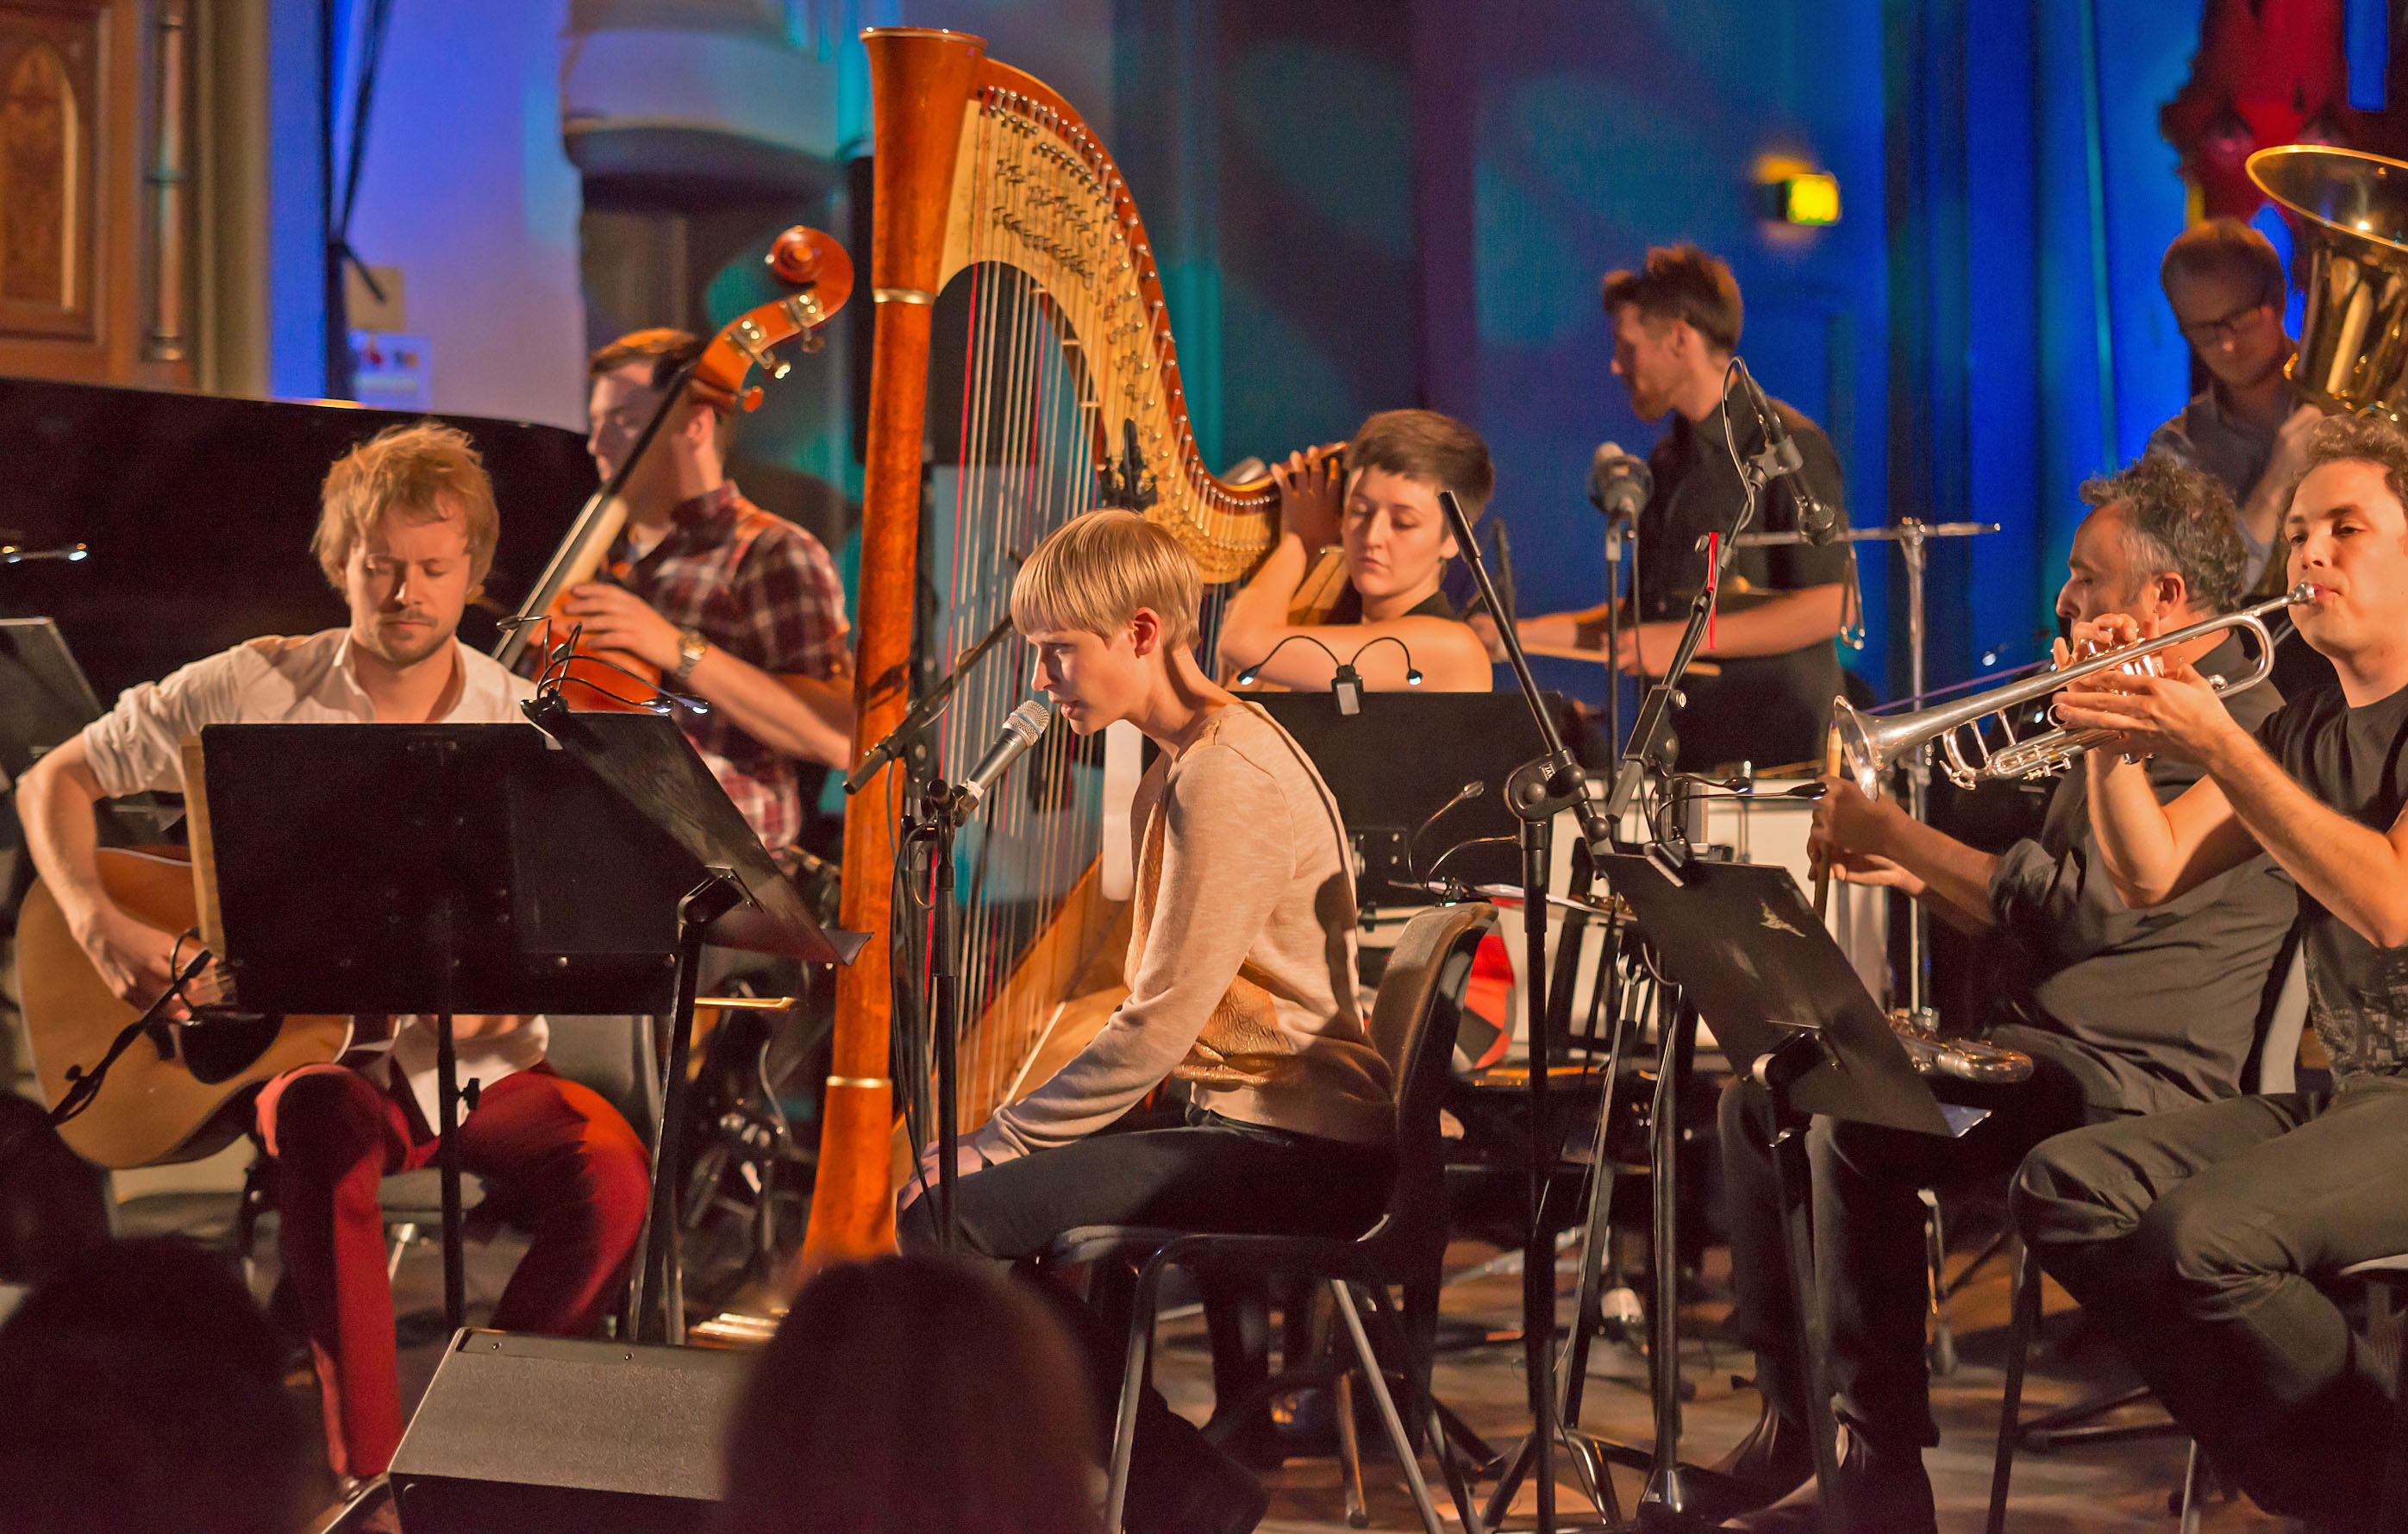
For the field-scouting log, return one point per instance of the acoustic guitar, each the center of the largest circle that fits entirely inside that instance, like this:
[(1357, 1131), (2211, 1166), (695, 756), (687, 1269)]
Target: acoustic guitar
[(183, 1092)]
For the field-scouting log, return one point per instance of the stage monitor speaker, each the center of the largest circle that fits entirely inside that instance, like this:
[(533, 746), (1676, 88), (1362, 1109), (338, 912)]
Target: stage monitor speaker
[(548, 1435)]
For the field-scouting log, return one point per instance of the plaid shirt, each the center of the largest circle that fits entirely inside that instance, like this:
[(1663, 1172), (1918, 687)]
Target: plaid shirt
[(766, 592)]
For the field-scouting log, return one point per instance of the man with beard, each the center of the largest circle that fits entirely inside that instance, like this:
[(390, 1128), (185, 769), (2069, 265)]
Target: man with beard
[(741, 608), (1675, 325), (406, 531), (2194, 1239)]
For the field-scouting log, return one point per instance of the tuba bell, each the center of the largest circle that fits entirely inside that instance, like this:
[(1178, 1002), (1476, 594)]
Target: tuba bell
[(2351, 211)]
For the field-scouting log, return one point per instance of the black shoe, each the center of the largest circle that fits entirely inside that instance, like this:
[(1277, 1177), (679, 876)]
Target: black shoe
[(1766, 1465), (1885, 1489), (1180, 1484)]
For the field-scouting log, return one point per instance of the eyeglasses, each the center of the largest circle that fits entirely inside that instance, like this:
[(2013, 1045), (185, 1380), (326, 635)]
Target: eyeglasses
[(2225, 328)]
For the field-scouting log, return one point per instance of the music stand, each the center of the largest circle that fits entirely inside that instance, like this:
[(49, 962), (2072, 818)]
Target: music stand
[(44, 701), (447, 869), (1789, 1011), (1397, 768)]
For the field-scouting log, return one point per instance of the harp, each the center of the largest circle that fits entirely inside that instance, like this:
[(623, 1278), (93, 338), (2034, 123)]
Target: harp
[(998, 219)]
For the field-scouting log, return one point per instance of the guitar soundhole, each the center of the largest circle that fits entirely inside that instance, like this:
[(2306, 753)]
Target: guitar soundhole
[(220, 1045)]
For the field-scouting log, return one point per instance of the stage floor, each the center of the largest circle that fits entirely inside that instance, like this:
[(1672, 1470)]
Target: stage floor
[(2120, 1486)]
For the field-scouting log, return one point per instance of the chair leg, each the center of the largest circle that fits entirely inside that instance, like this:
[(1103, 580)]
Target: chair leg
[(2025, 1309), (1403, 1446), (2391, 1509), (1445, 1432), (401, 1236), (1943, 1349), (1350, 1455), (2194, 1489), (1134, 1371)]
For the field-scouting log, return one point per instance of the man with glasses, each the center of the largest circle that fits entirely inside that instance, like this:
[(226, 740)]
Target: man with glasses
[(2224, 282)]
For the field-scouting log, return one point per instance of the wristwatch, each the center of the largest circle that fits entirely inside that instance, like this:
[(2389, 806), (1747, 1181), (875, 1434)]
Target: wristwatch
[(691, 644)]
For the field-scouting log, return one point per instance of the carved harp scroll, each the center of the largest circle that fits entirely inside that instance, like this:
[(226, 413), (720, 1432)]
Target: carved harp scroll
[(1070, 398)]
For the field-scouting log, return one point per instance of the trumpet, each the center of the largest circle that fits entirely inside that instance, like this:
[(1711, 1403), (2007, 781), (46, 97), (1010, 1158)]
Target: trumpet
[(1967, 1059), (1870, 747)]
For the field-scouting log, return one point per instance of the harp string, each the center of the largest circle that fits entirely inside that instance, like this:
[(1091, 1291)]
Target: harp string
[(1051, 266)]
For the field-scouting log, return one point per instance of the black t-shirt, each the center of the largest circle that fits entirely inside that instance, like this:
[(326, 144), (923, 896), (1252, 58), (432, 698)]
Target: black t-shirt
[(2149, 1010), (1768, 710), (2354, 760)]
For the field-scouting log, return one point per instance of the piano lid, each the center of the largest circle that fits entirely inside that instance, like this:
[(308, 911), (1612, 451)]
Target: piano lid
[(198, 511)]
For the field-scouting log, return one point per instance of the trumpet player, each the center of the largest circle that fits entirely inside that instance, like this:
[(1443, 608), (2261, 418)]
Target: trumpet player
[(2196, 1237), (2123, 1012)]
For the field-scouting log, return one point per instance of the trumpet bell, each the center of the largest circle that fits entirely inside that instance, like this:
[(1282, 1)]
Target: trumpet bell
[(2351, 209), (1863, 754)]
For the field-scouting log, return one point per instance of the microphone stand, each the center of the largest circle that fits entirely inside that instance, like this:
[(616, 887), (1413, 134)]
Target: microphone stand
[(908, 730), (936, 822), (1615, 532), (1536, 792)]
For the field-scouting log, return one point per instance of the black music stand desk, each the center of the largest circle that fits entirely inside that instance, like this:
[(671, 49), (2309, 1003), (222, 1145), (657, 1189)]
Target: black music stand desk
[(448, 868), (1397, 768), (1791, 1014)]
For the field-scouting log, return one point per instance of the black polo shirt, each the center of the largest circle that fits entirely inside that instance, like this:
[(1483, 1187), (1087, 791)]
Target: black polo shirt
[(1768, 710)]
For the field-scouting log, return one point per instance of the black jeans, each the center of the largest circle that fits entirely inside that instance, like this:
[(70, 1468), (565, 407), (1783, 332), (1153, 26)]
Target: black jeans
[(2195, 1236), (1869, 1251), (1208, 1173)]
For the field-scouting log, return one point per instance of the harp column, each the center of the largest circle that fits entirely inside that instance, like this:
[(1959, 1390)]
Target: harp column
[(918, 127)]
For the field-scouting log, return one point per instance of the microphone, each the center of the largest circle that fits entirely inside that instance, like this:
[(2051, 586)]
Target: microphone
[(1019, 733), (1618, 483), (1782, 459)]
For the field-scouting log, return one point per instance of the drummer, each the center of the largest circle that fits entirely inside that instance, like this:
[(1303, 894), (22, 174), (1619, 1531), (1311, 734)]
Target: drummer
[(2122, 1012), (1374, 502), (1767, 698)]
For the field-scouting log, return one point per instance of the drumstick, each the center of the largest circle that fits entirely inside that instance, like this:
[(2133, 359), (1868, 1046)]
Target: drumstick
[(1822, 869)]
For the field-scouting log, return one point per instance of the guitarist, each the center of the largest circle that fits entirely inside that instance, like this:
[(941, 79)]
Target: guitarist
[(405, 532), (727, 602)]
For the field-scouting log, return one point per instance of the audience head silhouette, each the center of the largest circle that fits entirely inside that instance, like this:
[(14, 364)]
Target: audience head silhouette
[(913, 1396), (141, 1388)]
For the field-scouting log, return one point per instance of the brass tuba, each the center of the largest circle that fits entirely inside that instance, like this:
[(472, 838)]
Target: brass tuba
[(2351, 210)]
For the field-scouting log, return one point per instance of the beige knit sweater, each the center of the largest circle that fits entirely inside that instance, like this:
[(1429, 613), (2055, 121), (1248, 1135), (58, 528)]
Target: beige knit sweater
[(1242, 956)]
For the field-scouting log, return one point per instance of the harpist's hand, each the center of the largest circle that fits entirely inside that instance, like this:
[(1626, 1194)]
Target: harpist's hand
[(1311, 487), (966, 1162)]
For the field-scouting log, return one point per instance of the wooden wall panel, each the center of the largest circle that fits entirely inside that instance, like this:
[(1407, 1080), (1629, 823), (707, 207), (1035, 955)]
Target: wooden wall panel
[(81, 274)]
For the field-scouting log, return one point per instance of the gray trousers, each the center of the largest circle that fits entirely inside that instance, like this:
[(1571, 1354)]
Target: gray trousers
[(2197, 1238)]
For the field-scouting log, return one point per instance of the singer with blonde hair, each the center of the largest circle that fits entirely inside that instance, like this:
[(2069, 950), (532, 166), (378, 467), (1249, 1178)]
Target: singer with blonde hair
[(1240, 971)]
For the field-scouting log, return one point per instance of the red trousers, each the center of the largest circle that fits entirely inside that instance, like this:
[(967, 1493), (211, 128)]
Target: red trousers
[(569, 1161)]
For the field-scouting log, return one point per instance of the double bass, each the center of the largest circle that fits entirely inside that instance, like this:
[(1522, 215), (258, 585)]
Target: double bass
[(819, 272), (995, 203)]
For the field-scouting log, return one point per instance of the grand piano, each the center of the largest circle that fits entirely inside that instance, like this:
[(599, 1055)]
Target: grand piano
[(197, 512)]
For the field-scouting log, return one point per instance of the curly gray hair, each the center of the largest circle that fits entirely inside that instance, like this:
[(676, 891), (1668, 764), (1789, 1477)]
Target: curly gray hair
[(2182, 522)]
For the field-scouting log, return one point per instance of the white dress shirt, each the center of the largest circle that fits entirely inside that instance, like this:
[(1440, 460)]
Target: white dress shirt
[(308, 680)]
